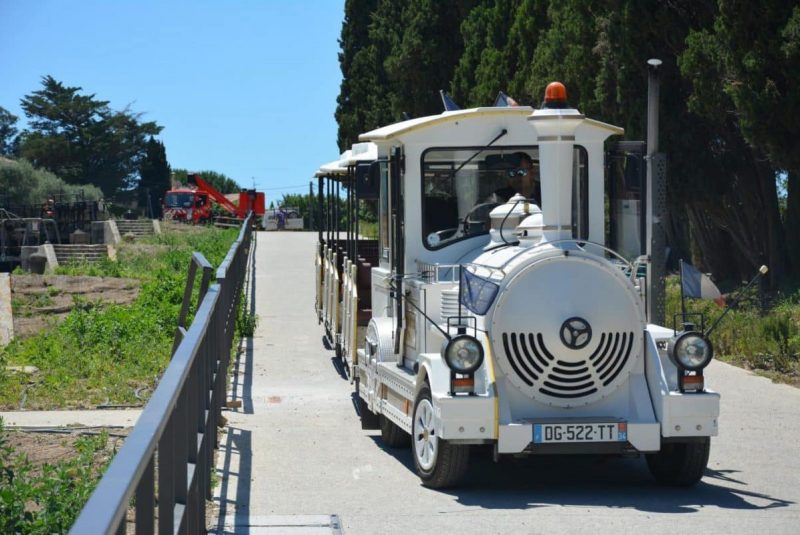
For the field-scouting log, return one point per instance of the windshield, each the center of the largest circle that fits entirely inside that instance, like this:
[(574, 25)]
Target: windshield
[(178, 200), (459, 189)]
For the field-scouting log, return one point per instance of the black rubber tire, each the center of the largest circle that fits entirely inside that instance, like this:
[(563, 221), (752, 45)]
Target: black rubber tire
[(369, 420), (392, 435), (451, 461), (680, 464)]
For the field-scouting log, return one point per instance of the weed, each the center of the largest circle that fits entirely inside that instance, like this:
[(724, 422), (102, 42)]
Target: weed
[(246, 322), (766, 342), (47, 499), (104, 353)]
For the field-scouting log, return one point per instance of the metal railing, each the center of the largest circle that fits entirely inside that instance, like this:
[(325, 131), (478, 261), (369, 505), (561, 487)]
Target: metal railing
[(173, 440)]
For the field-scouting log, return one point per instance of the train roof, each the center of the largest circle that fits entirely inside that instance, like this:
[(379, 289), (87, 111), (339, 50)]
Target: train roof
[(361, 152), (395, 130)]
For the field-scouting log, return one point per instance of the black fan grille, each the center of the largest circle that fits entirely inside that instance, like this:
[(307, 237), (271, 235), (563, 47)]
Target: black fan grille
[(536, 366)]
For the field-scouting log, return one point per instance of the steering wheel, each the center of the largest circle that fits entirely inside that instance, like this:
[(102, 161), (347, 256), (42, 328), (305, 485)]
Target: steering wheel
[(479, 215)]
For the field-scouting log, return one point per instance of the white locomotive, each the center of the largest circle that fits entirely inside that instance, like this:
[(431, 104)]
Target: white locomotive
[(505, 321)]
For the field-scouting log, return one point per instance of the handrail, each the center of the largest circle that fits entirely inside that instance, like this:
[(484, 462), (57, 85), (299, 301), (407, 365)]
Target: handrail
[(178, 426)]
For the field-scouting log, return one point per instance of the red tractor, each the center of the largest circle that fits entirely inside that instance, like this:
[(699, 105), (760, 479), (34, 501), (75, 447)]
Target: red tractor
[(194, 205)]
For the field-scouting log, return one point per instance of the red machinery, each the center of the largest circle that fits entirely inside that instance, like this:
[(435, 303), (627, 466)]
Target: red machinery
[(194, 205)]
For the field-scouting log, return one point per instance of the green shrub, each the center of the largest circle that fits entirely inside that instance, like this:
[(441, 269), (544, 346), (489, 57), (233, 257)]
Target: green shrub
[(762, 340), (29, 186), (47, 499)]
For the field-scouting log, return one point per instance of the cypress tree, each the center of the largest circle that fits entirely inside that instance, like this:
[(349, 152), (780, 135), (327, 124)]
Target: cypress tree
[(155, 176)]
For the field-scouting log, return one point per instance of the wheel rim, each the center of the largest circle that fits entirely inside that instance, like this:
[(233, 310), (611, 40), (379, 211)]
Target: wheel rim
[(425, 437)]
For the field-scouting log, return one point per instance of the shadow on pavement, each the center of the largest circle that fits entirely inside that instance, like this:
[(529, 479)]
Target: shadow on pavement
[(242, 375), (236, 470), (592, 481)]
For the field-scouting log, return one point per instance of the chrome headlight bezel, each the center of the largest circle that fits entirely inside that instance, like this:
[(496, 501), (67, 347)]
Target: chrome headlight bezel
[(680, 352), (451, 356)]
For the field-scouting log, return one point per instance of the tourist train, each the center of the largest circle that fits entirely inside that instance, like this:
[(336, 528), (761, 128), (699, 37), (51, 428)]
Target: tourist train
[(510, 298)]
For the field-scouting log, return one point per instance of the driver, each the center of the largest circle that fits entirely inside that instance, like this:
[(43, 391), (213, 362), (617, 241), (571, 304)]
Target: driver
[(522, 179)]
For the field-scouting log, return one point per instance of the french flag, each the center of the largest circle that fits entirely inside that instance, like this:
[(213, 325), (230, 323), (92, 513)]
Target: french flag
[(699, 285)]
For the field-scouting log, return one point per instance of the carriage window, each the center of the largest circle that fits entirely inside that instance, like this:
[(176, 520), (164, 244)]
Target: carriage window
[(459, 189)]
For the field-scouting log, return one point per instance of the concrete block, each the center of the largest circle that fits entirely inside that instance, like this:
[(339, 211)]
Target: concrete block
[(105, 232), (98, 232), (25, 253), (50, 253), (6, 317), (79, 238), (112, 235)]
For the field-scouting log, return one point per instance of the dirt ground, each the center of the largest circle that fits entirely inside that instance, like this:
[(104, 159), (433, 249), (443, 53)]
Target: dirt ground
[(49, 448), (39, 301)]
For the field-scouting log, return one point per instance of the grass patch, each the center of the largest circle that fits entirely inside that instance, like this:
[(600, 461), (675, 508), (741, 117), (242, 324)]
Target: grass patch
[(105, 353), (368, 229), (47, 498), (767, 342)]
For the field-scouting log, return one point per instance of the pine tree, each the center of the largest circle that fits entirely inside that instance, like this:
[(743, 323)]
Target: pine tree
[(8, 132), (155, 178), (81, 139)]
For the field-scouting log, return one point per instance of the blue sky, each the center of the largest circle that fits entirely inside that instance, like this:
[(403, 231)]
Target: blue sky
[(245, 88)]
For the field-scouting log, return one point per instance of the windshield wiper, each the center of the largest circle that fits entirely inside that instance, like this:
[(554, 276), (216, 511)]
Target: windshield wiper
[(488, 145)]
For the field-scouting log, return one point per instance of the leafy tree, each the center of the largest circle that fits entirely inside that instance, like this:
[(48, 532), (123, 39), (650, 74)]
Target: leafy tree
[(396, 56), (8, 132), (155, 178), (500, 37), (221, 182), (744, 73), (81, 139), (426, 54), (355, 64), (729, 103), (22, 184)]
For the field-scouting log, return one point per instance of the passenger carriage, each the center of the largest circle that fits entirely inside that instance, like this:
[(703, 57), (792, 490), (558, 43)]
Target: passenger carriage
[(517, 322)]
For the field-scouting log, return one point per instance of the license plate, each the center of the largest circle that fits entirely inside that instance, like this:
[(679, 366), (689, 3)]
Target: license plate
[(588, 432)]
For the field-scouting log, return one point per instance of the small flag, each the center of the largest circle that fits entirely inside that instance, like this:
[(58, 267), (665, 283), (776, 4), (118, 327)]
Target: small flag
[(504, 101), (699, 285), (447, 101)]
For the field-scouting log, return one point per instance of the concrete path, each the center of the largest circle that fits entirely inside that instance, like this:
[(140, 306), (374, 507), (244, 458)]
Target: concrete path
[(295, 460)]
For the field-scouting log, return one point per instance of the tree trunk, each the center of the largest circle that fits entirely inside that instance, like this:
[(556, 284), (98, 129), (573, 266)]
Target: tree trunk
[(776, 250), (792, 222)]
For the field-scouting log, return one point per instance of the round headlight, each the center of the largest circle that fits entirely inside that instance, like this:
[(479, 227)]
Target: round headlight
[(463, 353), (691, 351)]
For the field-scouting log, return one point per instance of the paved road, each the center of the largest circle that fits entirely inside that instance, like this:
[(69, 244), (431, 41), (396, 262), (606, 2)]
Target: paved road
[(296, 455)]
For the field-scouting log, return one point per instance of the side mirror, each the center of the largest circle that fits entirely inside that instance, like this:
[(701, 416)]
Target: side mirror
[(368, 180)]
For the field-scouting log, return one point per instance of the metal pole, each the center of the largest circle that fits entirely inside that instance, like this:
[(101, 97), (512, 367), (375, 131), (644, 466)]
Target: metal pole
[(310, 205), (655, 198), (320, 207), (683, 296)]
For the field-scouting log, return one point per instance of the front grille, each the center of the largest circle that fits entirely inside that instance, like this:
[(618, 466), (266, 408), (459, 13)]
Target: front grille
[(537, 367)]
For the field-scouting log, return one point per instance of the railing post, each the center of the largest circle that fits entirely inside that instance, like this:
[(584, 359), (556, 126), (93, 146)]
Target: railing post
[(144, 502), (166, 479)]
